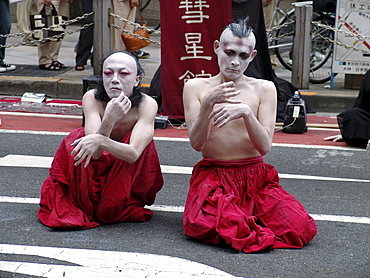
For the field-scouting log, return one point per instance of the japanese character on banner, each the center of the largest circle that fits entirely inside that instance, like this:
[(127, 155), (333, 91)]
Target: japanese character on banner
[(189, 75), (194, 10), (192, 48)]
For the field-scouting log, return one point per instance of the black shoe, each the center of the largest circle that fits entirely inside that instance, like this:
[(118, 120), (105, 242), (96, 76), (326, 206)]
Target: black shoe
[(140, 54), (6, 67)]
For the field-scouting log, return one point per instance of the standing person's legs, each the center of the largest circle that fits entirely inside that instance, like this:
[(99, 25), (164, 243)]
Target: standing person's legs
[(54, 51), (85, 40), (48, 55), (121, 8), (23, 20), (62, 7), (5, 26), (43, 50), (49, 52), (268, 12)]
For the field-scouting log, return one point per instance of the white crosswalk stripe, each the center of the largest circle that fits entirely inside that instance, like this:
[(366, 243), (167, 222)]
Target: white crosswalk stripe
[(99, 263), (45, 162), (320, 217)]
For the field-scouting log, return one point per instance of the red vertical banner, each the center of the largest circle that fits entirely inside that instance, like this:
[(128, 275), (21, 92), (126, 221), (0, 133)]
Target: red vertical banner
[(188, 30)]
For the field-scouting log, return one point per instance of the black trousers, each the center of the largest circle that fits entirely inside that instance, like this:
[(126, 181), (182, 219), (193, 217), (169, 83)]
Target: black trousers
[(85, 40)]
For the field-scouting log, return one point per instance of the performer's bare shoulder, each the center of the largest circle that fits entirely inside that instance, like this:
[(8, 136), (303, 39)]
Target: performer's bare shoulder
[(232, 140), (231, 116), (114, 110), (145, 110)]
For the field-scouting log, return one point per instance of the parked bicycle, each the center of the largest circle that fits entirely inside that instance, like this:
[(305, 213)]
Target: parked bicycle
[(322, 50)]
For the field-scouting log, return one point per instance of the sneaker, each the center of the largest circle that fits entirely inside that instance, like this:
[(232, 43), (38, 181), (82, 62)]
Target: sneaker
[(7, 67), (141, 54)]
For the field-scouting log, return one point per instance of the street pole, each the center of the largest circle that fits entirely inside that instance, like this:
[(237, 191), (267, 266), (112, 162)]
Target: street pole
[(101, 44), (101, 33), (302, 45)]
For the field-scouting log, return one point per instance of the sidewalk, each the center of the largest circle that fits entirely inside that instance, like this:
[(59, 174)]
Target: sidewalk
[(67, 84)]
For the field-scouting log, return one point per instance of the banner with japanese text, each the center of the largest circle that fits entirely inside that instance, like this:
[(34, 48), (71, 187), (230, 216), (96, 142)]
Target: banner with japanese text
[(188, 31)]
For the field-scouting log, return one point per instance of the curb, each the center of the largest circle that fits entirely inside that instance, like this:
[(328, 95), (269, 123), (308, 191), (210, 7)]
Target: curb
[(60, 88), (65, 88), (329, 102)]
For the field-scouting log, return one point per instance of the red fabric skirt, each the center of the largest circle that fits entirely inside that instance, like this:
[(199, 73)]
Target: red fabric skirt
[(241, 202), (108, 190)]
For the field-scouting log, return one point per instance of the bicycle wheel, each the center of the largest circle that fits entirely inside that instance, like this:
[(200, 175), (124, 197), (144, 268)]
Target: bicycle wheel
[(321, 57), (283, 45), (156, 27), (321, 50)]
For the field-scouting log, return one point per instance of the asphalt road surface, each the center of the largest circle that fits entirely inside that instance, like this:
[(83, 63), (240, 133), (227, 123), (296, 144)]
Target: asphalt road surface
[(331, 182)]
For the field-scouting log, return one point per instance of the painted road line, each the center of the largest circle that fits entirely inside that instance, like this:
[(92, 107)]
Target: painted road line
[(317, 217), (41, 115), (324, 147), (36, 132), (172, 139), (166, 169), (341, 218), (165, 208), (99, 263), (183, 170), (19, 200), (30, 161), (319, 178), (175, 139)]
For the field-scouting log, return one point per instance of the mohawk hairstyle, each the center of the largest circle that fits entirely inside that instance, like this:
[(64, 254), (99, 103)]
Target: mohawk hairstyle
[(240, 28)]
